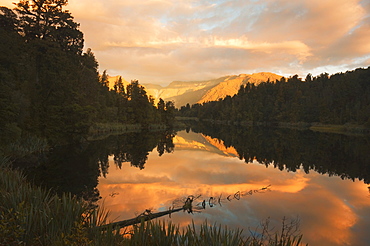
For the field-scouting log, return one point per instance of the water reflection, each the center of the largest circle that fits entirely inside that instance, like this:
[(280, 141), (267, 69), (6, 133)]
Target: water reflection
[(133, 174), (332, 211), (76, 168), (135, 147), (333, 154)]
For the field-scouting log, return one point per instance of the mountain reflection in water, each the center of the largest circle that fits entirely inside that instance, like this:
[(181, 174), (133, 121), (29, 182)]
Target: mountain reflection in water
[(333, 205), (319, 178)]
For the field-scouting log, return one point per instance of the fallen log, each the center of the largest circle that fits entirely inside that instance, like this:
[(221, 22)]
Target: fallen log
[(147, 215), (188, 206), (138, 219)]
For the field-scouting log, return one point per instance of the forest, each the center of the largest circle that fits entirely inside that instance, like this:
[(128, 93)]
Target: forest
[(51, 89), (337, 99)]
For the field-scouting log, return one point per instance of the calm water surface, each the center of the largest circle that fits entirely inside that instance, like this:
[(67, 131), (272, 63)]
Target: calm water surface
[(331, 210)]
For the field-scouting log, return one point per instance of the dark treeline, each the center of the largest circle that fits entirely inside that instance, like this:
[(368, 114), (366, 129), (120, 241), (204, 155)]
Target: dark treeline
[(76, 168), (289, 149), (50, 88), (337, 99)]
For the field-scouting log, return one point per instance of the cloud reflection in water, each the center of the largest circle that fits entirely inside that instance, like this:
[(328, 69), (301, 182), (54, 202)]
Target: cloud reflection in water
[(332, 211)]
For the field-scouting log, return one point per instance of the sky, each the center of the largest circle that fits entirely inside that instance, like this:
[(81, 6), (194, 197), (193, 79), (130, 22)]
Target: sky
[(159, 41)]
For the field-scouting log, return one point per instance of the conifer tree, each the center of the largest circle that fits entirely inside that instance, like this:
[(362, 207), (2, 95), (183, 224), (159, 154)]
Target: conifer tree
[(104, 79), (46, 20)]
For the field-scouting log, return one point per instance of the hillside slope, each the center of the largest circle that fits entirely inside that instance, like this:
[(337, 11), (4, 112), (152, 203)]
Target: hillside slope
[(231, 85), (203, 91)]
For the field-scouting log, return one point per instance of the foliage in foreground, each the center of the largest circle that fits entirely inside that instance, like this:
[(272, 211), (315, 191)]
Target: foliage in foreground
[(33, 216), (30, 215), (158, 233)]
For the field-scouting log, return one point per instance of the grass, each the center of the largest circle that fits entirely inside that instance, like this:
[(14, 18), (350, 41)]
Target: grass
[(113, 127), (25, 146), (329, 128), (103, 130), (33, 216), (159, 233), (186, 118), (348, 129), (30, 215)]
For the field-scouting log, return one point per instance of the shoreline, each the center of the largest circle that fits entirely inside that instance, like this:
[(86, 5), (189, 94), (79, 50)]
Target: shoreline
[(346, 129)]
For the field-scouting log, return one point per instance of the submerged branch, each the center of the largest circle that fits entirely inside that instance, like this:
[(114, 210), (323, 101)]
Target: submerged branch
[(188, 206), (139, 219)]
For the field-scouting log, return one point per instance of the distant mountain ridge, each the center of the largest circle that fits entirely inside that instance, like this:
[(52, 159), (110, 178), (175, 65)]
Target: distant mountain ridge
[(203, 91)]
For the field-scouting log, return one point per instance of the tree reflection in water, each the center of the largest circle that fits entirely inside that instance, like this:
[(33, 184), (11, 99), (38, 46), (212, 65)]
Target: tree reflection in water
[(135, 147), (76, 168), (325, 153), (202, 165)]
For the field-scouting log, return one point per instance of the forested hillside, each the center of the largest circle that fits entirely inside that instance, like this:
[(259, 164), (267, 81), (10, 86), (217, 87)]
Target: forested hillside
[(50, 88), (338, 99), (191, 92)]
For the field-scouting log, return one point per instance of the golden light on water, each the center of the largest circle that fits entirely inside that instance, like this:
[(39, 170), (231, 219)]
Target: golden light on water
[(326, 206)]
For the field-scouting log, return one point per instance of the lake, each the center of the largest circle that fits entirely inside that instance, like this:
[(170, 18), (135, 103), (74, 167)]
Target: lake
[(239, 178)]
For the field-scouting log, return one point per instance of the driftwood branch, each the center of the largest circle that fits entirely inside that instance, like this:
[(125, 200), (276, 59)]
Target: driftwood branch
[(139, 219), (188, 206), (149, 216)]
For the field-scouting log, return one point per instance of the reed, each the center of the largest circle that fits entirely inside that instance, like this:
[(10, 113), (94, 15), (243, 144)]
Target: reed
[(103, 130), (30, 215), (42, 218), (212, 235), (25, 146), (113, 127), (289, 235), (159, 233)]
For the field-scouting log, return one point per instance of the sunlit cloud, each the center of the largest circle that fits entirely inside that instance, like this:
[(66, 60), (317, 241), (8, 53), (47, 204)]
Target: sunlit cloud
[(161, 41)]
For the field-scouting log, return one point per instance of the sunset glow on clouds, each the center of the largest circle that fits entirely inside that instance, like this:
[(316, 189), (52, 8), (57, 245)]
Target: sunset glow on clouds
[(158, 41), (326, 206)]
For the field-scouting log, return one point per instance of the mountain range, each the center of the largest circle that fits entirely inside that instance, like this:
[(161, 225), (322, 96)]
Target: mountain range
[(183, 92)]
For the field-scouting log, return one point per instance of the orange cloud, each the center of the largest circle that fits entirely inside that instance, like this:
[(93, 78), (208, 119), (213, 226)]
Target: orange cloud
[(162, 41)]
